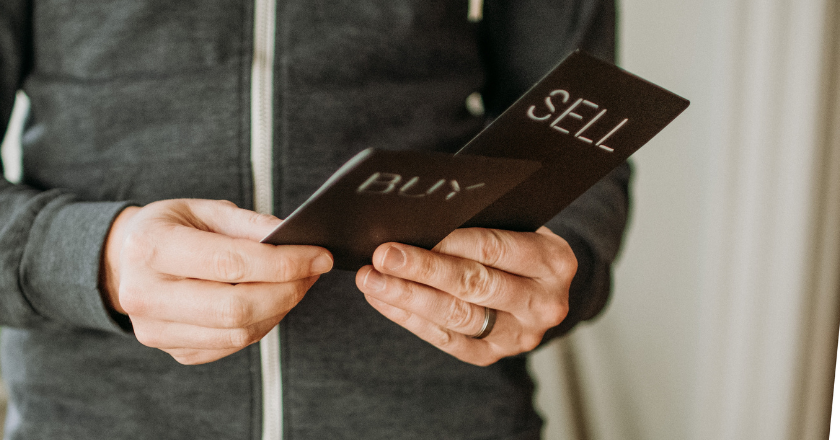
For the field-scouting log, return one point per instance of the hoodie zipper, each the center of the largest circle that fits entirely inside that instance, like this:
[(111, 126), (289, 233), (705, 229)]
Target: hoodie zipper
[(475, 12), (262, 92)]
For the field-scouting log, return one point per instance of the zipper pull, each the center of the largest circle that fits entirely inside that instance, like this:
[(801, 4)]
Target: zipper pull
[(476, 11)]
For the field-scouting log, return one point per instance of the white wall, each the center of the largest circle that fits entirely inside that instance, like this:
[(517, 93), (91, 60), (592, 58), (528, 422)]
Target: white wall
[(640, 360), (706, 333)]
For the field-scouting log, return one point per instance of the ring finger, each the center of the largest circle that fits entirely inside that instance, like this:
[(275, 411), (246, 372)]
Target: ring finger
[(433, 305), (478, 352)]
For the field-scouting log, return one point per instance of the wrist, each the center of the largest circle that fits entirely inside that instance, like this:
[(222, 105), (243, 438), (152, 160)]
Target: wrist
[(109, 270)]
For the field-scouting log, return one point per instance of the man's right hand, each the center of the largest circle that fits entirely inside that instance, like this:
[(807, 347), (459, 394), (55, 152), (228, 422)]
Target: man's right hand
[(196, 282)]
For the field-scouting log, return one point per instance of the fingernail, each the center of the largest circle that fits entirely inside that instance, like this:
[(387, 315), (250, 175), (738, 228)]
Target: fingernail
[(394, 258), (374, 280), (322, 264)]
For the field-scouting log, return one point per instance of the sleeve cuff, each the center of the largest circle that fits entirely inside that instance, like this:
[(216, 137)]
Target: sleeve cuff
[(60, 267)]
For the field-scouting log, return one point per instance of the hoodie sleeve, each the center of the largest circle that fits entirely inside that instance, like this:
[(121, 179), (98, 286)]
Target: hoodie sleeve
[(50, 243), (521, 40)]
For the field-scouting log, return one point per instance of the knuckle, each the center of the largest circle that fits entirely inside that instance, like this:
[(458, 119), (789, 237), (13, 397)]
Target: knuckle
[(284, 269), (459, 315), (493, 247), (212, 207), (530, 342), (241, 338), (234, 312), (139, 248), (557, 313), (229, 266), (563, 261), (257, 219), (132, 300), (146, 336), (441, 339), (189, 357), (401, 317), (477, 280), (426, 268), (565, 266)]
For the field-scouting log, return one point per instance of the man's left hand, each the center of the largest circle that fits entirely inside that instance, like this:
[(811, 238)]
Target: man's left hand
[(441, 295)]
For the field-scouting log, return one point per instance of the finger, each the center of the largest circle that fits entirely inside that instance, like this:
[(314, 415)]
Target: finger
[(226, 218), (475, 351), (468, 280), (183, 251), (446, 311), (191, 356), (434, 305), (175, 335), (211, 304), (533, 254), (427, 302)]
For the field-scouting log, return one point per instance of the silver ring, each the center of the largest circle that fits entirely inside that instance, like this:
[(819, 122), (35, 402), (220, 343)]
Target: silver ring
[(489, 322)]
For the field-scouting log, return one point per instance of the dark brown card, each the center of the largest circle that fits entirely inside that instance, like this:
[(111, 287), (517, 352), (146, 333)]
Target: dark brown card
[(411, 197), (581, 121), (572, 128)]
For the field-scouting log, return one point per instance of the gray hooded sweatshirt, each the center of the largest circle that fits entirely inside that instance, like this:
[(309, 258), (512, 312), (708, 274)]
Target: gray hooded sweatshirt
[(134, 101)]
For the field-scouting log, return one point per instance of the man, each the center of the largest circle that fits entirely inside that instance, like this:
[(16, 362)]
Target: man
[(134, 288)]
